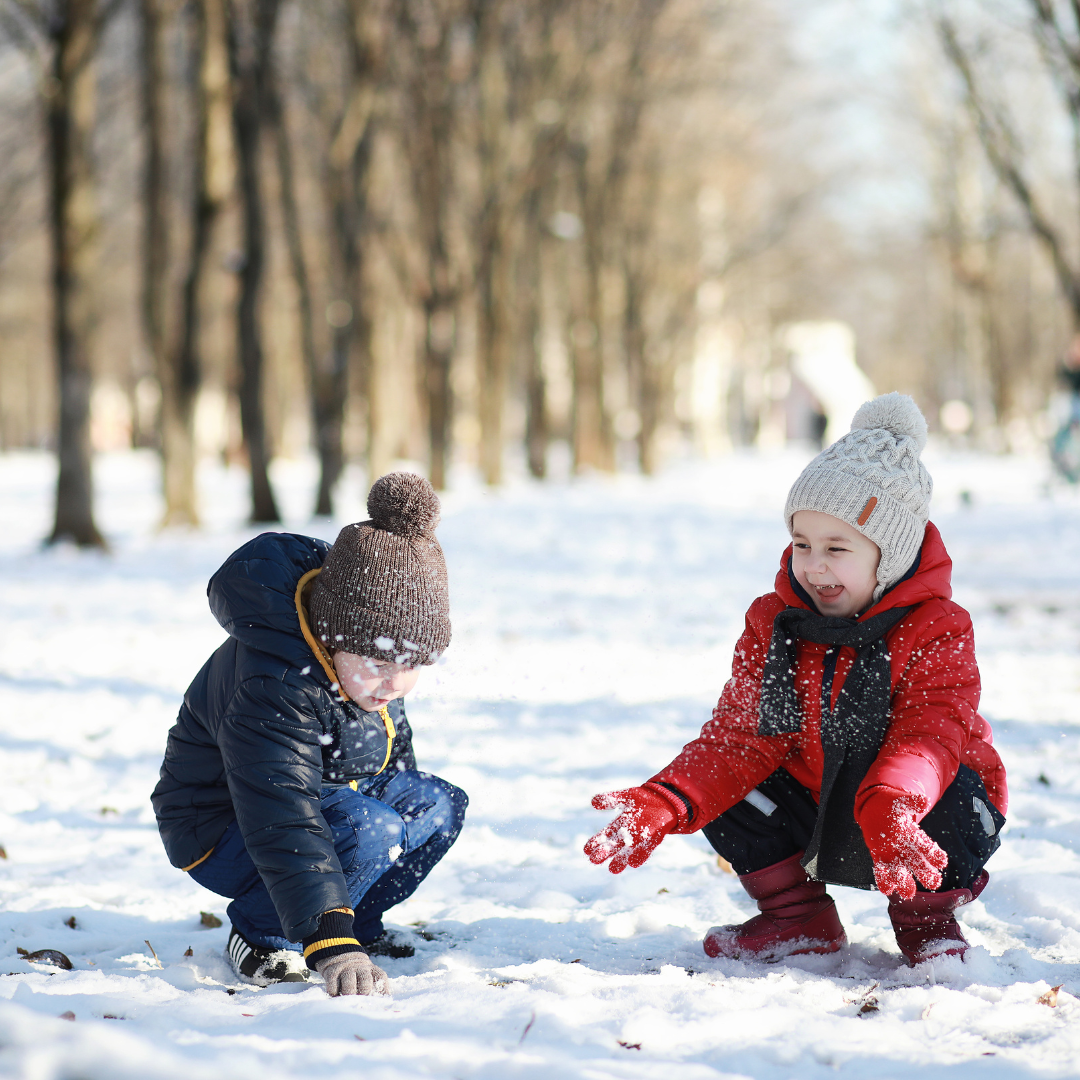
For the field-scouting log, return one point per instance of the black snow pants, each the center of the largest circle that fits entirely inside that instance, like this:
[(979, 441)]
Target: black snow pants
[(776, 821)]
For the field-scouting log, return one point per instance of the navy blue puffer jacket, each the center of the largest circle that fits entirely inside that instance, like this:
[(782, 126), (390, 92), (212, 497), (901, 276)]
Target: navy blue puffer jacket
[(262, 730)]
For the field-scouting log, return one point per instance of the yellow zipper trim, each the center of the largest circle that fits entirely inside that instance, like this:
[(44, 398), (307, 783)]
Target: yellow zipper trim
[(316, 645), (391, 734), (185, 869)]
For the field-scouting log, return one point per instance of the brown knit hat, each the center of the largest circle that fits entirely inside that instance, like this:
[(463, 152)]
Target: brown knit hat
[(382, 591)]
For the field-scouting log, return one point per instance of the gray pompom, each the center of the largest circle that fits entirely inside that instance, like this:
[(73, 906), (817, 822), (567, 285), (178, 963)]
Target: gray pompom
[(404, 504), (894, 412)]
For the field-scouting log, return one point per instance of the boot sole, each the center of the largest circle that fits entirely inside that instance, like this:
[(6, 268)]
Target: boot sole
[(956, 950), (795, 947)]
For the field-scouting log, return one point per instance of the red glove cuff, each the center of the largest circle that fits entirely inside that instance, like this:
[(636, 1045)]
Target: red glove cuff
[(882, 818), (680, 807)]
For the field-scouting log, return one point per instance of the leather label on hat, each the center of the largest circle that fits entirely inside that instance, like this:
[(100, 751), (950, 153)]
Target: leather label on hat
[(867, 510)]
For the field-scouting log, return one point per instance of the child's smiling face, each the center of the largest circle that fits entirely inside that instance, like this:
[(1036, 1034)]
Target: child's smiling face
[(373, 684), (834, 563)]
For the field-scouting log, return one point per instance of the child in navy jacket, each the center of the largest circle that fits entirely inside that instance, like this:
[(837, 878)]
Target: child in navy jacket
[(289, 782)]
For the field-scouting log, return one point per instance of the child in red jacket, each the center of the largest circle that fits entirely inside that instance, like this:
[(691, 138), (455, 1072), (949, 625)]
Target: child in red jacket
[(847, 747)]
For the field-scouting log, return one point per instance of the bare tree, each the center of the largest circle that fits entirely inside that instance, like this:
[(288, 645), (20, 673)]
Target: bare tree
[(600, 169), (1058, 44), (251, 36), (155, 238), (657, 245), (428, 73), (63, 38), (530, 275), (520, 139), (521, 190), (172, 321), (327, 439), (347, 182), (493, 121)]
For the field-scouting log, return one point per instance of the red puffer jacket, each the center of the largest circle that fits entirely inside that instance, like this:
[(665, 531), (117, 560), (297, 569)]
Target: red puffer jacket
[(934, 728)]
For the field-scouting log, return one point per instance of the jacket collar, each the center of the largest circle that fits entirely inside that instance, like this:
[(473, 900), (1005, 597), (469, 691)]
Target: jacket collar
[(930, 577), (302, 588)]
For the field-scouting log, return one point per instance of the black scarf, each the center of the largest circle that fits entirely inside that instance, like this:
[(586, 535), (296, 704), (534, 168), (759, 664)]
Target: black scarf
[(851, 734)]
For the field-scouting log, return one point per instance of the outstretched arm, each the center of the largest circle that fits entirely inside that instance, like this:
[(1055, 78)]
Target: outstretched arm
[(729, 757)]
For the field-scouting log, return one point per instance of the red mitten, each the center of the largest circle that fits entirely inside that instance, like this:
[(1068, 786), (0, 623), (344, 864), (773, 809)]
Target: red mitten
[(904, 856), (649, 813)]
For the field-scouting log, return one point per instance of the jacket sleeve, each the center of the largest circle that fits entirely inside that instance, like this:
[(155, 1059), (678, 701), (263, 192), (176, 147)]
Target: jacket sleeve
[(273, 765), (729, 757), (934, 712)]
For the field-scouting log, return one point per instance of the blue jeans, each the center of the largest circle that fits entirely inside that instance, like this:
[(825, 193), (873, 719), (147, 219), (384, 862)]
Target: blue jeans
[(415, 812)]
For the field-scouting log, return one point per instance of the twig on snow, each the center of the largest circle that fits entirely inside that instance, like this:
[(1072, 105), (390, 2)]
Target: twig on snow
[(528, 1028)]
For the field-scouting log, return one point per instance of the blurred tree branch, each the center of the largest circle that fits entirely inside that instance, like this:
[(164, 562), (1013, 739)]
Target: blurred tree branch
[(997, 134)]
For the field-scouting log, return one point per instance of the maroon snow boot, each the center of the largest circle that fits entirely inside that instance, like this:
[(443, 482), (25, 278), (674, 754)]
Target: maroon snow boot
[(925, 925), (797, 916)]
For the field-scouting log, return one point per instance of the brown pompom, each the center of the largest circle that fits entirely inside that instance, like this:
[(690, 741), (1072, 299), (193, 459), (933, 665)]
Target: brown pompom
[(404, 504)]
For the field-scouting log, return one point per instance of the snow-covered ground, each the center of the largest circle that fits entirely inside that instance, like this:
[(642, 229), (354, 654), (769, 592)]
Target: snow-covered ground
[(593, 626)]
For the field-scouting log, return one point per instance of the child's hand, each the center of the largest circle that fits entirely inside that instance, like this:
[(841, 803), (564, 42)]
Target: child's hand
[(646, 818), (352, 973), (904, 856)]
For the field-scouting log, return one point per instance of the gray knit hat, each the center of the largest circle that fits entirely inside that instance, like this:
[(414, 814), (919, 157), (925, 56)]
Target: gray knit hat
[(872, 478), (382, 591)]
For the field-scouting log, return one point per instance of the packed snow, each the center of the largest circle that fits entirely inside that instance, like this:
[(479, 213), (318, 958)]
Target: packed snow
[(593, 627)]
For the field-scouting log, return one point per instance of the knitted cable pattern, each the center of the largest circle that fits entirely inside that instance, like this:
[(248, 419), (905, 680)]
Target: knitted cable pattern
[(873, 479)]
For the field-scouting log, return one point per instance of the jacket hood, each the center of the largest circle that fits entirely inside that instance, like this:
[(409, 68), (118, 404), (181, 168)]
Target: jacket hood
[(253, 593), (929, 578)]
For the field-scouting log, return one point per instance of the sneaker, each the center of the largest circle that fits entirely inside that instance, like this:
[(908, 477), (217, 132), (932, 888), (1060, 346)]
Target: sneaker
[(388, 944), (263, 966)]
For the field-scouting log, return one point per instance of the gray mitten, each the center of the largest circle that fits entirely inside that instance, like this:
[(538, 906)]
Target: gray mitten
[(352, 973)]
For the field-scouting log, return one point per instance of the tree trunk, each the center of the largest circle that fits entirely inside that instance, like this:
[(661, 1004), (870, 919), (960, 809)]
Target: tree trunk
[(326, 408), (427, 133), (251, 42), (212, 179), (346, 184), (530, 277), (493, 344), (176, 421), (155, 222), (351, 331), (438, 357), (601, 184), (494, 350), (440, 327), (73, 225), (644, 385), (593, 445), (358, 289)]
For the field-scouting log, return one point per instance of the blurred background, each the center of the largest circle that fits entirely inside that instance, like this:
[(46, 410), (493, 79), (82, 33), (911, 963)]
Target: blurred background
[(513, 237)]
